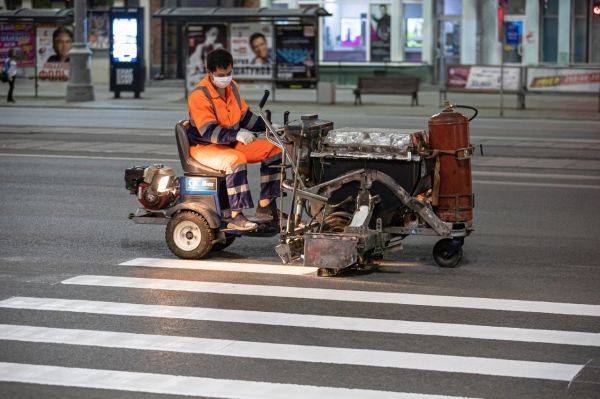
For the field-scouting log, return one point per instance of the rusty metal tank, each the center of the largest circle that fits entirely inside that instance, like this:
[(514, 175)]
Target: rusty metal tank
[(451, 151)]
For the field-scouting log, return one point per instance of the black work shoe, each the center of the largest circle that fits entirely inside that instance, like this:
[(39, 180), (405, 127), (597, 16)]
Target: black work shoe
[(268, 213), (240, 223)]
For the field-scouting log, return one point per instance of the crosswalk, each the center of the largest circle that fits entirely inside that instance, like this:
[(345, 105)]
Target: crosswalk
[(279, 354)]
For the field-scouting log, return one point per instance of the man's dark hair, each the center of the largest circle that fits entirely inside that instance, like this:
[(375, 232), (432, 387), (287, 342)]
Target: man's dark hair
[(219, 58), (11, 52), (256, 36)]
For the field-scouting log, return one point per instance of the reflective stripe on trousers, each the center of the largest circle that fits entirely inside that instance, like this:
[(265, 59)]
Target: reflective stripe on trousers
[(233, 162)]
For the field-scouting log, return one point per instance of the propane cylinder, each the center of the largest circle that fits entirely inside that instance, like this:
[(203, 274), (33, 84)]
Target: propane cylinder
[(451, 149)]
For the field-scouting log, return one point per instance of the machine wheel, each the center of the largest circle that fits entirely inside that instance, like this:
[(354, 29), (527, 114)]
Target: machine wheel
[(323, 272), (447, 253), (188, 235), (221, 245)]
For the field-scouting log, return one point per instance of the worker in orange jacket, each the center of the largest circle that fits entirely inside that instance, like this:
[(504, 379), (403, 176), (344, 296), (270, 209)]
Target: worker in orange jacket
[(220, 135)]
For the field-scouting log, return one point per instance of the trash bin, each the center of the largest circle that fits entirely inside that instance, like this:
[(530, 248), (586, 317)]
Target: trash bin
[(326, 93)]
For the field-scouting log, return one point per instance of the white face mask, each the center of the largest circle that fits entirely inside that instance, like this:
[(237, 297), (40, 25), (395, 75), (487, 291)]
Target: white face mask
[(222, 81)]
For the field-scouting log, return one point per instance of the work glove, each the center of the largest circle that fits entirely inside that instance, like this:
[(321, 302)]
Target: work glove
[(245, 136)]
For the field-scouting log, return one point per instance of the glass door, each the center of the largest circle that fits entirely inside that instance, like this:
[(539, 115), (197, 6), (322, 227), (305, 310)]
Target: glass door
[(448, 46), (513, 40)]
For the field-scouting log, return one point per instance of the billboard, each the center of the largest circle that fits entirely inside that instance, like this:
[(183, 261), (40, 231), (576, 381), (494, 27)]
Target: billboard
[(125, 39), (98, 23), (19, 37), (252, 50), (202, 39), (380, 32), (563, 79), (296, 53), (472, 77), (53, 44)]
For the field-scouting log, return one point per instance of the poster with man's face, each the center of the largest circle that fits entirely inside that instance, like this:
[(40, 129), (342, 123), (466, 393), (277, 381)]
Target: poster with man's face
[(251, 47), (380, 32), (202, 39), (53, 44)]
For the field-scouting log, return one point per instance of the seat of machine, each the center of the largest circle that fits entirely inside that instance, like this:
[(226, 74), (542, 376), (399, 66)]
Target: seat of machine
[(190, 165)]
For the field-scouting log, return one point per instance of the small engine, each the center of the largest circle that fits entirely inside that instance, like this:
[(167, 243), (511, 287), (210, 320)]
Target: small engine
[(155, 185)]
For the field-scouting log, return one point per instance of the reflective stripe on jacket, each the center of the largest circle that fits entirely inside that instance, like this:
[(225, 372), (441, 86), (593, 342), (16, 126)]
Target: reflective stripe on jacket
[(215, 119)]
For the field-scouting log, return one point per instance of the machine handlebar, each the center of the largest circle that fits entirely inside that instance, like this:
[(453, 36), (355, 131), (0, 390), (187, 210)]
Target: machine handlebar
[(264, 99)]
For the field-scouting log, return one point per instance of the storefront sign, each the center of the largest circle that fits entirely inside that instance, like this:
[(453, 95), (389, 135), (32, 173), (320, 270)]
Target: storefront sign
[(565, 79), (202, 39), (53, 44), (380, 32), (251, 47), (19, 37), (469, 77), (296, 53)]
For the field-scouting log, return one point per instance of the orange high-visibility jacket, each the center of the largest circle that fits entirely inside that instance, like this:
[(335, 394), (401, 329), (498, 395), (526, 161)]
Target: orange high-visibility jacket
[(215, 119)]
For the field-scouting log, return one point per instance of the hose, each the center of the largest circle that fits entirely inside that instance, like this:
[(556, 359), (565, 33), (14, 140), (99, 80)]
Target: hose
[(468, 107)]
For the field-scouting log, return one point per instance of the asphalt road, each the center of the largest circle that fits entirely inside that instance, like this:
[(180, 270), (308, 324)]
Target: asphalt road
[(68, 328)]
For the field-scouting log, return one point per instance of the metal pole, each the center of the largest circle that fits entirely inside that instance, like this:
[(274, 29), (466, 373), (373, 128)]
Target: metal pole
[(80, 86), (502, 44)]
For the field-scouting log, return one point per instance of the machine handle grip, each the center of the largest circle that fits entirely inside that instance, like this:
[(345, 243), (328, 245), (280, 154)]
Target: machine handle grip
[(468, 107), (264, 99), (268, 113), (286, 117)]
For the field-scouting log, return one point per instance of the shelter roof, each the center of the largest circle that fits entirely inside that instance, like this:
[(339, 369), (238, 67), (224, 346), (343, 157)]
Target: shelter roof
[(239, 13), (37, 15)]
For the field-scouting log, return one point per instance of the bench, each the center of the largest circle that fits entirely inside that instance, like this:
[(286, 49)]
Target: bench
[(387, 85)]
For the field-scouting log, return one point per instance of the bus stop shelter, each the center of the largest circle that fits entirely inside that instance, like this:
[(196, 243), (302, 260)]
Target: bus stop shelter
[(29, 20), (290, 36)]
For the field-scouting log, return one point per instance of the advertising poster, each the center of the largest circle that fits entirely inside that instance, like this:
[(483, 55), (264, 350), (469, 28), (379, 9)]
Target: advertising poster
[(563, 79), (252, 50), (53, 44), (482, 77), (296, 56), (380, 32), (21, 38), (98, 28), (202, 39)]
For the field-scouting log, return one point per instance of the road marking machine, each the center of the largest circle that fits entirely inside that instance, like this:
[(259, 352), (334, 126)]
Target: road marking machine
[(354, 193)]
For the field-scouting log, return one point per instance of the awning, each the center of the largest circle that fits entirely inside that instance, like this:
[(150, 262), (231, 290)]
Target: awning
[(239, 14), (38, 15)]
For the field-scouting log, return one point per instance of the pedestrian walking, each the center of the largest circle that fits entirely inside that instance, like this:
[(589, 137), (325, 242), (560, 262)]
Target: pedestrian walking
[(10, 69)]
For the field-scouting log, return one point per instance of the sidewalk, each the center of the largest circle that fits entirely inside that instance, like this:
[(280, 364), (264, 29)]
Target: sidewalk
[(169, 95)]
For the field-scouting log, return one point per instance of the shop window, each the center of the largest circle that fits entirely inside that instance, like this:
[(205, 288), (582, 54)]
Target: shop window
[(580, 32), (345, 32), (450, 7), (514, 7), (413, 32), (549, 31)]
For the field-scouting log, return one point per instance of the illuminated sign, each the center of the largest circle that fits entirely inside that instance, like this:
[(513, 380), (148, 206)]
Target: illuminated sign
[(125, 47)]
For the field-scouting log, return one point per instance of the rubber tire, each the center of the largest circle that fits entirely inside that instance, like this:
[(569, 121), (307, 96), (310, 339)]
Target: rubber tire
[(221, 245), (441, 257), (205, 235)]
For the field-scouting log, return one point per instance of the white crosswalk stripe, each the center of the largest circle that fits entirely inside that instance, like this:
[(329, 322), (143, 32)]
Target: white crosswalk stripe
[(220, 266), (298, 353), (340, 295), (525, 367), (305, 320), (181, 385)]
